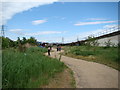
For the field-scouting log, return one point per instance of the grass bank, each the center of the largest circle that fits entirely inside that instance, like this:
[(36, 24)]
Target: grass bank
[(29, 69), (107, 56)]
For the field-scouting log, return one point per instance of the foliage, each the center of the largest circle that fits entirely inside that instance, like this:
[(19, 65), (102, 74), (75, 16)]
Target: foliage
[(82, 50), (24, 40), (30, 69), (92, 41), (108, 43), (19, 41), (36, 49), (32, 40), (108, 56), (22, 48), (6, 42)]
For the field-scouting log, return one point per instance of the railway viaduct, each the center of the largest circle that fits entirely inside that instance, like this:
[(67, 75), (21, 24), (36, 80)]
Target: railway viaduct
[(113, 37)]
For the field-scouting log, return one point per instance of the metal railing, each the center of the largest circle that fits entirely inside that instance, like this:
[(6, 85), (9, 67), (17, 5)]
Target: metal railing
[(104, 32)]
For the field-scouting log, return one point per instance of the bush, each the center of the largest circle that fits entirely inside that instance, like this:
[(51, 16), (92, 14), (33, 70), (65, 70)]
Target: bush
[(82, 51)]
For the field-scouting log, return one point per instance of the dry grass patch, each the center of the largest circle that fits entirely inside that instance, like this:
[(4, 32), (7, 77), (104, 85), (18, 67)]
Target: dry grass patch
[(63, 79)]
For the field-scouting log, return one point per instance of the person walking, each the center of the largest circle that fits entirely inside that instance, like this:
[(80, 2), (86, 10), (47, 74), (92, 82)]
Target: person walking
[(57, 47), (49, 49)]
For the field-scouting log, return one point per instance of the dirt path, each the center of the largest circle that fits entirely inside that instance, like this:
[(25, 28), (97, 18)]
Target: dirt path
[(61, 80), (90, 74)]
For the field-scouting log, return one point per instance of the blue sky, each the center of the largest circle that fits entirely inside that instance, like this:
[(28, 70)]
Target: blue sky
[(51, 22)]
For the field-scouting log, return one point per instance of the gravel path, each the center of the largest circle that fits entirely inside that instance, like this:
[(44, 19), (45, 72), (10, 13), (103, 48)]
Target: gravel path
[(90, 74)]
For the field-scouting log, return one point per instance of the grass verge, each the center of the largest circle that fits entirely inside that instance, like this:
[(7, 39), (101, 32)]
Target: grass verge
[(107, 56), (29, 69)]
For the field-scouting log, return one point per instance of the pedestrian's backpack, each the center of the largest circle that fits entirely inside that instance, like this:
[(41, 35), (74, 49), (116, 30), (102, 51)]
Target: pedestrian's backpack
[(48, 48)]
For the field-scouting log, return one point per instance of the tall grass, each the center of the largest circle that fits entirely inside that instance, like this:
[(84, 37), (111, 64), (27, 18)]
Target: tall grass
[(30, 69), (107, 56)]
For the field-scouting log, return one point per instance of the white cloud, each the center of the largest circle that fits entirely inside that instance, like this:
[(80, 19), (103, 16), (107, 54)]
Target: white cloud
[(17, 31), (43, 33), (24, 32), (61, 0), (63, 18), (28, 0), (96, 19), (110, 26), (89, 0), (9, 8), (92, 23), (50, 39), (36, 22)]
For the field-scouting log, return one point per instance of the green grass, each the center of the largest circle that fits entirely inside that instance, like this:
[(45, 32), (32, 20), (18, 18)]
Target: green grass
[(73, 82), (107, 56), (30, 69)]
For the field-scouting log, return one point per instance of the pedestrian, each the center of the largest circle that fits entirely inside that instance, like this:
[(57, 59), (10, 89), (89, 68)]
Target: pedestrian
[(57, 47), (49, 49)]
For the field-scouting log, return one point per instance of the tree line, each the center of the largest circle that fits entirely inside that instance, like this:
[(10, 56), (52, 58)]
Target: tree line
[(7, 42)]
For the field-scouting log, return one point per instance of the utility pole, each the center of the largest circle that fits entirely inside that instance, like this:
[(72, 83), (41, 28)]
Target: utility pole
[(78, 41), (62, 39), (77, 38), (3, 31)]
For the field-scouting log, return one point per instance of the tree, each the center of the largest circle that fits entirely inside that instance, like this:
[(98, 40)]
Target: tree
[(32, 40), (92, 41), (11, 43), (18, 41), (24, 40), (5, 42)]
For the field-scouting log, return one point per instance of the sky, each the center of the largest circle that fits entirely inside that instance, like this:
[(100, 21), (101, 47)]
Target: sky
[(51, 21)]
